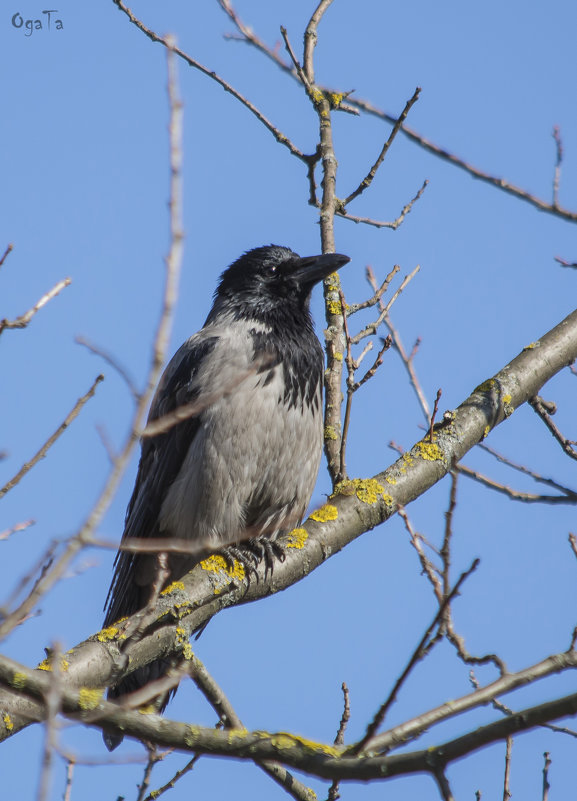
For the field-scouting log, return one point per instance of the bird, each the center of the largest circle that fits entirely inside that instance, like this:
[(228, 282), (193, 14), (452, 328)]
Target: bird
[(240, 470)]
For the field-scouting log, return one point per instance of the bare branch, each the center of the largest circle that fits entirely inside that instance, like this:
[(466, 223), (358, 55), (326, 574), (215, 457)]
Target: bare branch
[(381, 223), (280, 137), (372, 328), (526, 471), (406, 359), (546, 785), (172, 272), (565, 263), (416, 657), (6, 253), (368, 179), (379, 291), (507, 777), (15, 528), (113, 362), (310, 39), (435, 410), (475, 172), (516, 495), (40, 454), (539, 406), (558, 160), (24, 319)]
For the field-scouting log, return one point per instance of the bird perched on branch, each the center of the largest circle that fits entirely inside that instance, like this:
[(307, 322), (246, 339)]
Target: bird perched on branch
[(238, 462)]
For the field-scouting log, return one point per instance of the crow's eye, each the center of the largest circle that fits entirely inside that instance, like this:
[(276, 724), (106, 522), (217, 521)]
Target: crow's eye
[(272, 269)]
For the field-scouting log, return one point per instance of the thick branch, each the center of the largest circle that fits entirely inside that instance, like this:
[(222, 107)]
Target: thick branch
[(319, 759), (359, 506)]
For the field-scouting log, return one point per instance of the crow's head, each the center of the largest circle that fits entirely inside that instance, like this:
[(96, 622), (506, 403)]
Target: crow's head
[(269, 278)]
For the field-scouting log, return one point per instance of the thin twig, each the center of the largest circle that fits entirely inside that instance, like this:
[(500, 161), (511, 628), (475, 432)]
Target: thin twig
[(445, 552), (172, 782), (278, 135), (515, 495), (353, 308), (356, 105), (565, 263), (310, 39), (224, 709), (558, 160), (53, 703), (372, 328), (435, 410), (24, 319), (573, 543), (15, 528), (368, 179), (546, 785), (40, 454), (153, 758), (416, 656), (406, 359), (443, 784), (393, 224), (475, 172), (173, 262), (526, 471), (346, 716), (69, 776), (538, 405), (113, 362), (507, 778), (6, 253), (289, 48)]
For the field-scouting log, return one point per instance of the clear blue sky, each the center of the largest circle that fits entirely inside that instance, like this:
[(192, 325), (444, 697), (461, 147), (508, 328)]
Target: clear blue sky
[(84, 194)]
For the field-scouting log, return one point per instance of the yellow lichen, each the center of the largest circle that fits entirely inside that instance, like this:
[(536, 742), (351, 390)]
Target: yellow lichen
[(297, 538), (367, 490), (105, 635), (486, 431), (19, 680), (187, 651), (317, 95), (330, 433), (429, 451), (285, 740), (486, 385), (191, 735), (147, 709), (89, 698), (336, 98), (46, 664), (338, 356), (390, 480), (508, 408), (8, 722), (176, 585), (235, 734), (408, 461), (218, 564), (334, 306), (532, 345), (181, 609), (325, 513)]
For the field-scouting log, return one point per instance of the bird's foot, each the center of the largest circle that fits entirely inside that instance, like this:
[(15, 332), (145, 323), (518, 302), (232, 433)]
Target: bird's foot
[(252, 552)]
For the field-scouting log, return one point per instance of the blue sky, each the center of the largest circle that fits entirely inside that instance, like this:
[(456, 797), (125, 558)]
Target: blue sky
[(84, 194)]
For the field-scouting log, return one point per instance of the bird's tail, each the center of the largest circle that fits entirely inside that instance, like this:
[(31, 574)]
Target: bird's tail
[(130, 684)]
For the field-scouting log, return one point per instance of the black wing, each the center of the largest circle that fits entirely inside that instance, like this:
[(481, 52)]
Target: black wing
[(160, 461)]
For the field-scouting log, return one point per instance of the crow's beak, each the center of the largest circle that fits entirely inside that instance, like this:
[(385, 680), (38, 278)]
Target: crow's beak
[(312, 269)]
